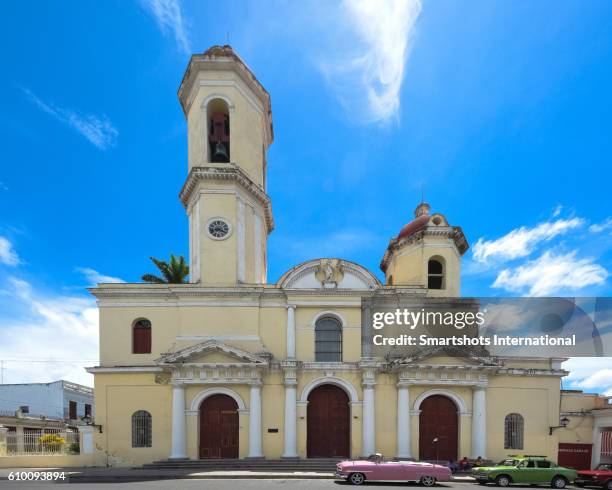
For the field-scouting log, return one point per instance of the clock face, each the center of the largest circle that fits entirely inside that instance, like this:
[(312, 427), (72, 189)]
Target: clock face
[(218, 228)]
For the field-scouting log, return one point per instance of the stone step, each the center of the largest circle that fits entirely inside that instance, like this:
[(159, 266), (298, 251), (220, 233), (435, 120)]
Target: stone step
[(325, 465)]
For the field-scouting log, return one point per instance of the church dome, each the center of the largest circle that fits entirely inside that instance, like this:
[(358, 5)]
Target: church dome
[(420, 221)]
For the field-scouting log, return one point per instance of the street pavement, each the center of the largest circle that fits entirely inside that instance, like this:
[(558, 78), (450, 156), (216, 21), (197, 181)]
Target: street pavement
[(232, 484)]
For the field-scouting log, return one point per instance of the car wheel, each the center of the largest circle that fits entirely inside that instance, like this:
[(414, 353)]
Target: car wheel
[(608, 485), (356, 478), (558, 482), (428, 481), (502, 481)]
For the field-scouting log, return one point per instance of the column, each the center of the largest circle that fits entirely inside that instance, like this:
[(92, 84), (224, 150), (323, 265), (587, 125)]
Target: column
[(369, 417), (178, 422), (596, 453), (3, 441), (255, 422), (403, 422), (20, 439), (86, 439), (290, 448), (291, 331), (479, 422)]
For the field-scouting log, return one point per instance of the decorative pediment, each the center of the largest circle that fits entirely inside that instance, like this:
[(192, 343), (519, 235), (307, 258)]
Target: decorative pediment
[(212, 351), (444, 355), (328, 273)]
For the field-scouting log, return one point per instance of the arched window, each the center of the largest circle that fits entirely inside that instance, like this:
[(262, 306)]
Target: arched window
[(142, 427), (514, 426), (141, 337), (435, 274), (328, 340), (218, 131)]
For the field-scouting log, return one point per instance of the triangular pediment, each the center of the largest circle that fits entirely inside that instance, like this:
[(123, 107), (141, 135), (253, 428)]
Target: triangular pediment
[(453, 356), (211, 351)]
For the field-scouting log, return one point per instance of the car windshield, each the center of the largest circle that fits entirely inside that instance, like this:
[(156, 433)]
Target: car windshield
[(605, 467), (508, 462)]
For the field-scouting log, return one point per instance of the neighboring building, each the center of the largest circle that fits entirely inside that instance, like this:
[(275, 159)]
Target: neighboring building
[(59, 400), (587, 439), (23, 432), (230, 366)]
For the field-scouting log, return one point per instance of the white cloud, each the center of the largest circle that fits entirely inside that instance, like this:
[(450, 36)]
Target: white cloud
[(557, 210), (551, 273), (522, 241), (8, 255), (53, 337), (3, 187), (169, 17), (94, 277), (599, 227), (590, 373), (368, 79), (98, 130)]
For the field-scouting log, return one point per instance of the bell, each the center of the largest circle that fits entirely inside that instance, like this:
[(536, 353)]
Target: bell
[(220, 154)]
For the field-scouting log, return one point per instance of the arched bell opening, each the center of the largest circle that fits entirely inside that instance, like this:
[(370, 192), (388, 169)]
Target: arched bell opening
[(218, 131)]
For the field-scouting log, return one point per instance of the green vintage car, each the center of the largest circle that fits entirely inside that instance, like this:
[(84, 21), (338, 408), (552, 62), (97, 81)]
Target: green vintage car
[(525, 470)]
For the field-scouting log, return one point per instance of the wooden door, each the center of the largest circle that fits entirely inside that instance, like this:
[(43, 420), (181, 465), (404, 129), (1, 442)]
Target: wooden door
[(219, 428), (438, 429), (328, 423)]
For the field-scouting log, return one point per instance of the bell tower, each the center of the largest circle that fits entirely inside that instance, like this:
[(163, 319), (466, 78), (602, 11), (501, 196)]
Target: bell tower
[(426, 253), (229, 130)]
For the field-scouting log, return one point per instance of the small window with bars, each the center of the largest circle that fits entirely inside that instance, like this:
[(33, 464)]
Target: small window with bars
[(141, 429), (328, 340), (514, 428)]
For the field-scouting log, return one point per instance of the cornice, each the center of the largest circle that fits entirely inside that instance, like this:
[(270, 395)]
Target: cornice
[(231, 173), (454, 233)]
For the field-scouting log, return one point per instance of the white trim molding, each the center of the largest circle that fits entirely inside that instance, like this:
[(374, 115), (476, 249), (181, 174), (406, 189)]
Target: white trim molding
[(204, 394), (332, 380), (333, 314), (459, 402)]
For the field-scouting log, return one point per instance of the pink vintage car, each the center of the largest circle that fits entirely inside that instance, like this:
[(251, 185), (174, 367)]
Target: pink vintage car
[(376, 468)]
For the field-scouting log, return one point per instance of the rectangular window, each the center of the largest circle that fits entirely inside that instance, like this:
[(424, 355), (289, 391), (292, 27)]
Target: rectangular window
[(72, 410), (87, 410)]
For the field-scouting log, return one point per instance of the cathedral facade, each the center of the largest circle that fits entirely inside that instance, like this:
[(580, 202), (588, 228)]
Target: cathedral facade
[(231, 366)]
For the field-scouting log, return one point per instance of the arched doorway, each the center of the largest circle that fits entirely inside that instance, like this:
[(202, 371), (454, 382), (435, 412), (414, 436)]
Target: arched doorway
[(328, 423), (438, 429), (218, 427)]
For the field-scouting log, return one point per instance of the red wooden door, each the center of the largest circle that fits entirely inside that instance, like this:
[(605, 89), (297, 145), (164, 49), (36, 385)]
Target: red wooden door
[(577, 456), (438, 420), (328, 422), (219, 428)]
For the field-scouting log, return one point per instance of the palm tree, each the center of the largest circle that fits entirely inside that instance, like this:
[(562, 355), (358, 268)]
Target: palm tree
[(174, 273)]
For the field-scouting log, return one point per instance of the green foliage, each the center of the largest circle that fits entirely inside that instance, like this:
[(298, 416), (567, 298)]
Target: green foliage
[(74, 448), (175, 272)]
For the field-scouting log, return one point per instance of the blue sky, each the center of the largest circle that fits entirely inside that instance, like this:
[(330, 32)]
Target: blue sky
[(499, 111)]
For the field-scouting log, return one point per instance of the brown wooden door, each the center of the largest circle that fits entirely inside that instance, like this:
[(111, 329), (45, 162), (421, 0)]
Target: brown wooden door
[(219, 428), (328, 422), (439, 420)]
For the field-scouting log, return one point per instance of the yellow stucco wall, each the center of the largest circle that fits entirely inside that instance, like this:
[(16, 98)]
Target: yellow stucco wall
[(408, 265)]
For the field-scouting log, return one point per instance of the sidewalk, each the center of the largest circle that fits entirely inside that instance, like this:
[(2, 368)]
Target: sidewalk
[(110, 475)]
